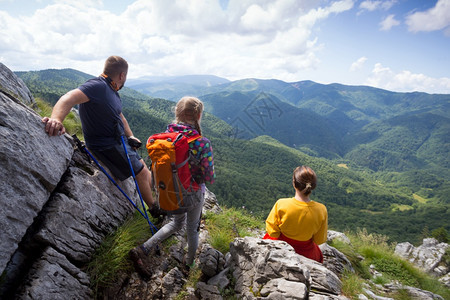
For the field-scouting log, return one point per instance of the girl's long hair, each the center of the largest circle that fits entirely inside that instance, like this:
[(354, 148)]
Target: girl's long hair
[(188, 110)]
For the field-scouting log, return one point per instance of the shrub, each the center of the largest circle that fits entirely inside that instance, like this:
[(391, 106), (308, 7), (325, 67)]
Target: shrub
[(440, 234)]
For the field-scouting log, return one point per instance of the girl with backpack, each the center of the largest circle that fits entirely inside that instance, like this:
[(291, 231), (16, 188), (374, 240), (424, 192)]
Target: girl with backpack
[(300, 221), (188, 114)]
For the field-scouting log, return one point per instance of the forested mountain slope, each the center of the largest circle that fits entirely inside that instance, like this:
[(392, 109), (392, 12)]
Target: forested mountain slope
[(254, 169), (375, 128)]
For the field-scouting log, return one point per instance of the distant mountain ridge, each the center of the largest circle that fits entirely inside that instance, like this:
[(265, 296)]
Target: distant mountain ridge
[(342, 117), (174, 87)]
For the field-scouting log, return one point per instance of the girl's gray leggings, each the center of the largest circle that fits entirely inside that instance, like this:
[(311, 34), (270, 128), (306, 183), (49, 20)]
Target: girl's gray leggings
[(192, 219)]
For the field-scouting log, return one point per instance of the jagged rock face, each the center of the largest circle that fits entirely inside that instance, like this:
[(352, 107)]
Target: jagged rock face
[(272, 270), (428, 256), (211, 261), (334, 260), (55, 207), (31, 164), (13, 87), (211, 203)]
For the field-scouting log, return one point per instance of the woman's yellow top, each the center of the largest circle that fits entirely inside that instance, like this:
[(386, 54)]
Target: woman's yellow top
[(298, 220)]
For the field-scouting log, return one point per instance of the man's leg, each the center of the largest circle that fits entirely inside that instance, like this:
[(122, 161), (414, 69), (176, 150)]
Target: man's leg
[(116, 161), (143, 179)]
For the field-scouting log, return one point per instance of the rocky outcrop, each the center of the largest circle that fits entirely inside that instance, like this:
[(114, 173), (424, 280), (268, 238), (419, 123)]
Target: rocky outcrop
[(55, 206), (13, 87), (429, 257), (412, 292), (31, 165), (273, 270), (335, 235)]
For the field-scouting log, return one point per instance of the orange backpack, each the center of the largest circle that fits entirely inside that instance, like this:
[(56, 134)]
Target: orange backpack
[(171, 177)]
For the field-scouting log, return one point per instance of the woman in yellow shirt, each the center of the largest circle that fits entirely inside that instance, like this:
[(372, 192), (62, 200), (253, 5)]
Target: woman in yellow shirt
[(299, 221)]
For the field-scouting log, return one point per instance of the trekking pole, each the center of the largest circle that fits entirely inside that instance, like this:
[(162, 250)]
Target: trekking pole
[(85, 150), (134, 178)]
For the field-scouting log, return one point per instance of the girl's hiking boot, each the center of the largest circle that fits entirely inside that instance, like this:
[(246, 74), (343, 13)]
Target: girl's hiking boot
[(139, 258)]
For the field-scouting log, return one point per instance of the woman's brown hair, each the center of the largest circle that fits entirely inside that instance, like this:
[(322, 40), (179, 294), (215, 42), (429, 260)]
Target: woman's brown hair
[(305, 179), (188, 110)]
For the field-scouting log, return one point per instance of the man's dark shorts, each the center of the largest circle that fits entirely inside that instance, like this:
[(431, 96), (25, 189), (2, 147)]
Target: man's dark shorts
[(116, 160)]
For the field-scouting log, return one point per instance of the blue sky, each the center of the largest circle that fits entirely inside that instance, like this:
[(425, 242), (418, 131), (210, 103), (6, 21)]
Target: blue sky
[(398, 45)]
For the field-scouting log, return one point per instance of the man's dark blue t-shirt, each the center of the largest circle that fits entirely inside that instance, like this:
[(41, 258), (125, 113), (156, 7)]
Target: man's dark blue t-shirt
[(100, 116)]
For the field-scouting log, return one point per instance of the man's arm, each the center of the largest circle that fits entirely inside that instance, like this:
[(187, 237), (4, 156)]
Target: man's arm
[(53, 125), (129, 133), (126, 127)]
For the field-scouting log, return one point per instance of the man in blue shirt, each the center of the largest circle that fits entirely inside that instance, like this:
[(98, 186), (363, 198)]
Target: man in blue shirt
[(103, 123)]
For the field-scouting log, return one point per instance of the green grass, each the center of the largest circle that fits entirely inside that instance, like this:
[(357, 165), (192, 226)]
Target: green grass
[(72, 123), (229, 224), (352, 284), (111, 257), (378, 252), (192, 280), (349, 251)]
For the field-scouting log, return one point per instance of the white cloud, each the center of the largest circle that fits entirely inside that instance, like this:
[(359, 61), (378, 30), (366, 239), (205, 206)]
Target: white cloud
[(389, 22), (406, 81), (255, 38), (376, 5), (248, 38), (357, 65), (436, 18)]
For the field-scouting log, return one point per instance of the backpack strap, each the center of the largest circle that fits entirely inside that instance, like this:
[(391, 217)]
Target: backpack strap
[(189, 140), (183, 163)]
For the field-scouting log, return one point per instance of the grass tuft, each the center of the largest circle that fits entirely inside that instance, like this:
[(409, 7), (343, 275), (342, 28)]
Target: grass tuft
[(352, 284), (111, 257), (231, 223)]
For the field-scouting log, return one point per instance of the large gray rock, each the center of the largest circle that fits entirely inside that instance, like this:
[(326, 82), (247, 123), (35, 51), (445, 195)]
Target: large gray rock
[(172, 283), (429, 256), (211, 204), (274, 269), (82, 211), (205, 291), (54, 277), (31, 165), (13, 87), (334, 260), (336, 235), (211, 261)]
